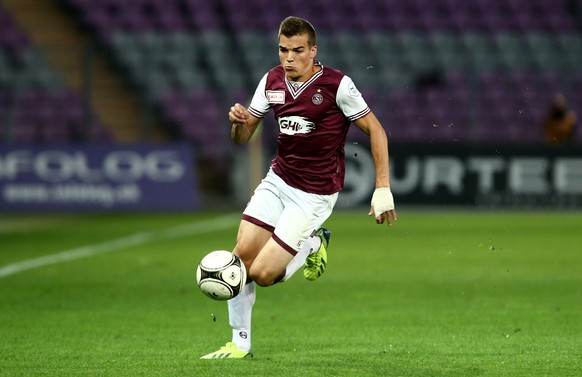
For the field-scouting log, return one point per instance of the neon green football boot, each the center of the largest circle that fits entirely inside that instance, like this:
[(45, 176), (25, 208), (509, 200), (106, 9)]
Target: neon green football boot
[(316, 263), (229, 351)]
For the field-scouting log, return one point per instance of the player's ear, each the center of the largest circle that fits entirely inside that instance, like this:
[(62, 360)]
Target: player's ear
[(313, 52)]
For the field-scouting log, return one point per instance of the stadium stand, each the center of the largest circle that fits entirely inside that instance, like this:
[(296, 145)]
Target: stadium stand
[(35, 105), (433, 71)]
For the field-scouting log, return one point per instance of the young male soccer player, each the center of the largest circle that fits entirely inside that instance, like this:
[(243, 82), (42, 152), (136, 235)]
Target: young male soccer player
[(280, 230)]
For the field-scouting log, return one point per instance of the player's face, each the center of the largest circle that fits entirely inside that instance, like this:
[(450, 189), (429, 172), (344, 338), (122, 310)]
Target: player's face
[(296, 57)]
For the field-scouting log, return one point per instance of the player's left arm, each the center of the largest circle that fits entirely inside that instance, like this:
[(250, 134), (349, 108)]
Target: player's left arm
[(382, 205)]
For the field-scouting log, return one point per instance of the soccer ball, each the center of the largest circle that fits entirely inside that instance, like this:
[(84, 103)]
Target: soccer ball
[(221, 275)]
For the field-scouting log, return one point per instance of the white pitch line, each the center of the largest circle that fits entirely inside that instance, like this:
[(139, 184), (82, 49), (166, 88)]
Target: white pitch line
[(191, 229)]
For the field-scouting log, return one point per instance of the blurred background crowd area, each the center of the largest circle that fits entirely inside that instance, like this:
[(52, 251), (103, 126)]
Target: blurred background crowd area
[(462, 71)]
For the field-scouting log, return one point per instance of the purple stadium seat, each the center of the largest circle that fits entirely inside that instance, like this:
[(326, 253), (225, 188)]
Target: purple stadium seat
[(24, 133), (23, 126), (11, 37), (201, 15), (49, 132), (198, 116), (410, 114)]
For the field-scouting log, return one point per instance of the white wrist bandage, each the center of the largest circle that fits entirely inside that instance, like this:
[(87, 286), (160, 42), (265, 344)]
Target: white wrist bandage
[(382, 201)]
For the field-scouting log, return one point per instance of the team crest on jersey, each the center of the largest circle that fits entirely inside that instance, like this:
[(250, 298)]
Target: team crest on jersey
[(317, 99), (295, 125), (276, 96)]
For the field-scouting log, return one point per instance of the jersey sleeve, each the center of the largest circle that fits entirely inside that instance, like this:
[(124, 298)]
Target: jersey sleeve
[(350, 100), (259, 106)]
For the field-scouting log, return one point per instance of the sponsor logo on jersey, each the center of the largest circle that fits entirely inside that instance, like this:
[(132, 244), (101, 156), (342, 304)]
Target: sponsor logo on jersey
[(352, 90), (292, 125), (276, 96)]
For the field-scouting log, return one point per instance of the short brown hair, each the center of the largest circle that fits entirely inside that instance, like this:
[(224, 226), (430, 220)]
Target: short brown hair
[(292, 26)]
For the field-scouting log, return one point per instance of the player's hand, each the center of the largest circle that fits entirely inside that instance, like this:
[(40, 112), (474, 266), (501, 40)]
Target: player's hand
[(238, 114), (383, 206)]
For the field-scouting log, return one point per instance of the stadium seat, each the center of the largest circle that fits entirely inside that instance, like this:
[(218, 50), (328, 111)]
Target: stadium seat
[(512, 52), (481, 52), (198, 116), (356, 60), (484, 49), (260, 53), (448, 51), (226, 72)]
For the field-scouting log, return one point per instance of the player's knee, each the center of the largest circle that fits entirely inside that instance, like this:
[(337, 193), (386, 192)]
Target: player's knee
[(247, 263), (262, 277), (246, 257)]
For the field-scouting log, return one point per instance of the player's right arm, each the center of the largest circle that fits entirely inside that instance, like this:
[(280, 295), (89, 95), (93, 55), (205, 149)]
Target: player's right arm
[(244, 124)]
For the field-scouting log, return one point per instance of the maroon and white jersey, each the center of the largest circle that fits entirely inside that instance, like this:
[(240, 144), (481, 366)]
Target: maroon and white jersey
[(314, 118)]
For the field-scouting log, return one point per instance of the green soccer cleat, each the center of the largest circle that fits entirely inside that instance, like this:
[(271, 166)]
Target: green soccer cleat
[(229, 351), (316, 263)]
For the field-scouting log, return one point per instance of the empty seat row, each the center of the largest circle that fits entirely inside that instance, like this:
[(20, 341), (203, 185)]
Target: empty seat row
[(155, 61), (108, 16), (486, 108), (48, 116), (35, 104), (460, 108)]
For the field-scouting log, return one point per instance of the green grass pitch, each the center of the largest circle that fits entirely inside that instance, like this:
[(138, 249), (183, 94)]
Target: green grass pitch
[(439, 294)]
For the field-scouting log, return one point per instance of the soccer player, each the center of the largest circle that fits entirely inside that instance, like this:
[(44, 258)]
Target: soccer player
[(281, 227)]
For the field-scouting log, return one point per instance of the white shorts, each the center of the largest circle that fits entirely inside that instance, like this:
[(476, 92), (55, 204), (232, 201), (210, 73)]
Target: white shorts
[(291, 214)]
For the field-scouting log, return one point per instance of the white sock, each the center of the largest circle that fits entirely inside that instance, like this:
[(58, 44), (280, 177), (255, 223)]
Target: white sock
[(240, 310), (310, 246)]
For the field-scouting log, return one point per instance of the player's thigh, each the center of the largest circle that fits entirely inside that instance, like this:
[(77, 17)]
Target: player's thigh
[(251, 239), (304, 213), (270, 263)]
